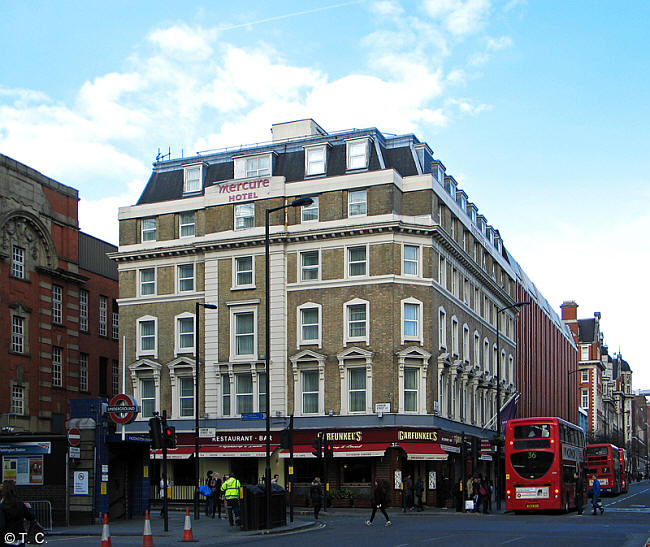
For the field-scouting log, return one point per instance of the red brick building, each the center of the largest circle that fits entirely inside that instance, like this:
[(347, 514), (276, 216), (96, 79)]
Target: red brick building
[(547, 357), (58, 326)]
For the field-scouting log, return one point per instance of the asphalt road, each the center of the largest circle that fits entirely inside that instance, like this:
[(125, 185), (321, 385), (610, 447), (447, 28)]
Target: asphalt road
[(626, 522)]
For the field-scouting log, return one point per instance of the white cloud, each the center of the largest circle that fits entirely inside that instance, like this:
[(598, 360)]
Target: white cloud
[(387, 8), (459, 17)]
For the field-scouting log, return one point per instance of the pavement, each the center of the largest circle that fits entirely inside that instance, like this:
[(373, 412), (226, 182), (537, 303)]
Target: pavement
[(214, 529)]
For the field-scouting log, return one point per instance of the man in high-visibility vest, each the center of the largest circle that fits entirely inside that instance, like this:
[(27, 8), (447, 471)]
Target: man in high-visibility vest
[(230, 489)]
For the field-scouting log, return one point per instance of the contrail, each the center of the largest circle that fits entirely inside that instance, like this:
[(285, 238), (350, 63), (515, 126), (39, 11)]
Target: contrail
[(286, 16)]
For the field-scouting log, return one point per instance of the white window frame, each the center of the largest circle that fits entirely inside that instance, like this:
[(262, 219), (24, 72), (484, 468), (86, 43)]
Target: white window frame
[(455, 332), (18, 323), (57, 366), (511, 369), (179, 369), (226, 380), (83, 372), (141, 398), (103, 315), (318, 341), (466, 356), (250, 394), (148, 230), (115, 325), (180, 279), (83, 310), (179, 396), (115, 376), (183, 224), (477, 349), (419, 320), (17, 400), (236, 271), (314, 206), (355, 357), (442, 272), (302, 268), (418, 358), (178, 350), (357, 195), (584, 376), (362, 369), (57, 304), (145, 369), (584, 353), (18, 262), (314, 166), (303, 392), (417, 262), (244, 166), (234, 311), (307, 360), (486, 356), (442, 328), (403, 389), (584, 395), (192, 184), (347, 339), (153, 283), (357, 152), (348, 262), (247, 220), (142, 352)]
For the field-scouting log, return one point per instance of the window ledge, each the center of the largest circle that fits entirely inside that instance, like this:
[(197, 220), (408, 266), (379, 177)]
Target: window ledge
[(243, 287), (19, 354)]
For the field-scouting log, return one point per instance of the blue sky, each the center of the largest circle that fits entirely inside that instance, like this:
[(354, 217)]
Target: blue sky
[(539, 109)]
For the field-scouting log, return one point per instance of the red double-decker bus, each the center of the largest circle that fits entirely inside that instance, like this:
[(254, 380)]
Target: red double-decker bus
[(604, 460), (542, 454)]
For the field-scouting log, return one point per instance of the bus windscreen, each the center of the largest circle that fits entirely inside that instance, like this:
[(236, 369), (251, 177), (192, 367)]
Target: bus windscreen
[(532, 431), (532, 464), (596, 451)]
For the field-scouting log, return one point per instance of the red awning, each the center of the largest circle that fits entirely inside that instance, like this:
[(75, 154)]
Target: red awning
[(423, 451), (216, 451), (352, 450)]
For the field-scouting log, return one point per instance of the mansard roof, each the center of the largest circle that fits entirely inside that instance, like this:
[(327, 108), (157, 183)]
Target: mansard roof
[(587, 331)]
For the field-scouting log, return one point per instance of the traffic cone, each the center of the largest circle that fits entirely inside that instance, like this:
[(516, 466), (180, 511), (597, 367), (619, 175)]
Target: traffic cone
[(187, 531), (147, 538), (106, 533)]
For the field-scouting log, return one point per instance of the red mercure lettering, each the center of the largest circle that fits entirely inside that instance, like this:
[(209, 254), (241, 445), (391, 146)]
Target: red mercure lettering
[(265, 182), (232, 187), (223, 189)]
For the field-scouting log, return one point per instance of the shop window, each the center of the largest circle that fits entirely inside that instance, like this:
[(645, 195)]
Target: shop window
[(357, 470)]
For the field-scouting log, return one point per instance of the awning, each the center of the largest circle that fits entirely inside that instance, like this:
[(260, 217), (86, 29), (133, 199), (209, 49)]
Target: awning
[(215, 451), (423, 451), (357, 450)]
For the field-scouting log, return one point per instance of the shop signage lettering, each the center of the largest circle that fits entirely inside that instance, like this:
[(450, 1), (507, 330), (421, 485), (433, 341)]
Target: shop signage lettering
[(417, 435), (234, 438), (242, 191), (343, 436)]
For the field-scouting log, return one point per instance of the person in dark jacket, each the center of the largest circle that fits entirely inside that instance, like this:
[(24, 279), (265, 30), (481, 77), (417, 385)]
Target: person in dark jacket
[(12, 513), (316, 494), (379, 499), (483, 494), (596, 493), (579, 489), (419, 493)]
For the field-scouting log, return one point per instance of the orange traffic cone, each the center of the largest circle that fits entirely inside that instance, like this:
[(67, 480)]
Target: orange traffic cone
[(147, 538), (106, 533), (187, 532)]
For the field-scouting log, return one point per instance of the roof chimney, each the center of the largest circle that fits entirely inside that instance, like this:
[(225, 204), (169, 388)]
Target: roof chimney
[(295, 130), (569, 311)]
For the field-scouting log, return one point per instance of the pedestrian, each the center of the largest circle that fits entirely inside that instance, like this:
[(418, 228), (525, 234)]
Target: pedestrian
[(483, 494), (379, 500), (490, 494), (419, 492), (408, 491), (163, 495), (275, 479), (12, 514), (475, 493), (218, 496), (469, 492), (316, 494), (211, 483), (595, 502), (230, 488), (579, 488)]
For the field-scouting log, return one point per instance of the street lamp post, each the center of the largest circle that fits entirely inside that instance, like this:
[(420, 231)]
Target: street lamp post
[(197, 512), (300, 202), (516, 305)]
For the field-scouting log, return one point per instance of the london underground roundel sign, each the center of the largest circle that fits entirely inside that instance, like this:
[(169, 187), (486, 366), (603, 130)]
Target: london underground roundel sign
[(122, 409)]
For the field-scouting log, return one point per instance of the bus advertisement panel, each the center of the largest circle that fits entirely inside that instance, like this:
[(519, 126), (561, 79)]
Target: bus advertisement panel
[(603, 459), (541, 457)]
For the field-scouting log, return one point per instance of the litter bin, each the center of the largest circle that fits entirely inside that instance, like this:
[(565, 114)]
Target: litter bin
[(278, 505), (252, 508)]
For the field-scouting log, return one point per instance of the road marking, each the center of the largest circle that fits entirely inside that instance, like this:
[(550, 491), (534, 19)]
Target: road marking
[(433, 539), (627, 497), (513, 539)]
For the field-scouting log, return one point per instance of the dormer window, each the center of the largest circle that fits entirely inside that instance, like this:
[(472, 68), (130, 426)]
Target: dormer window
[(192, 179), (438, 173), (315, 160), (252, 166), (357, 154)]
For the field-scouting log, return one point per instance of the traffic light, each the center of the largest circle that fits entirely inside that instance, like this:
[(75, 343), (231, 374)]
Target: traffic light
[(317, 445), (170, 436), (328, 451), (155, 433)]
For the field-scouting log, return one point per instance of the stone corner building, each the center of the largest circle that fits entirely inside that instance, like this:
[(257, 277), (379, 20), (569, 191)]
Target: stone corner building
[(385, 291)]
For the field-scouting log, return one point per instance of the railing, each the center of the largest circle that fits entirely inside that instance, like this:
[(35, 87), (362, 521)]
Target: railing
[(182, 492), (43, 512)]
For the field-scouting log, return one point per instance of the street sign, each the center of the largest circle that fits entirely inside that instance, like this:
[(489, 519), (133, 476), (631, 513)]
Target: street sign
[(122, 409), (75, 453), (74, 436), (253, 416)]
